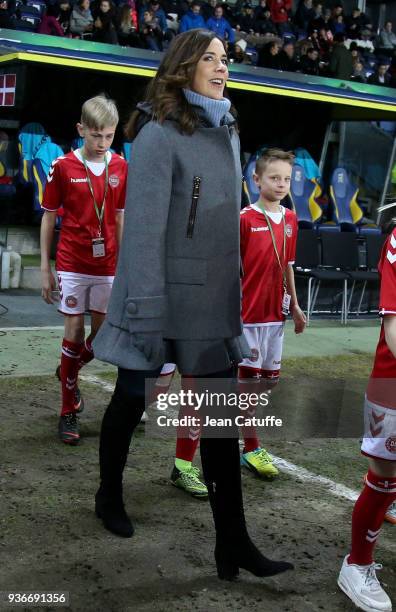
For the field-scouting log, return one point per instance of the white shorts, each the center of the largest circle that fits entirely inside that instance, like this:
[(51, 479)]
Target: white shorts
[(379, 431), (265, 343), (81, 292)]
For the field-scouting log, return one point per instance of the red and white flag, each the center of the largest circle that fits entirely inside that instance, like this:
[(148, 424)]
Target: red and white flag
[(7, 89)]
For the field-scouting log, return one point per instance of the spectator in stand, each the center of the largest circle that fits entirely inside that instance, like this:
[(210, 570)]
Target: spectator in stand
[(7, 14), (356, 23), (326, 43), (105, 26), (150, 31), (287, 58), (260, 10), (338, 26), (358, 73), (268, 56), (354, 51), (238, 54), (160, 15), (81, 20), (49, 23), (220, 26), (266, 25), (280, 15), (305, 14), (317, 22), (65, 12), (387, 37), (207, 9), (327, 19), (381, 76), (246, 21), (309, 62), (340, 66), (192, 19), (127, 26)]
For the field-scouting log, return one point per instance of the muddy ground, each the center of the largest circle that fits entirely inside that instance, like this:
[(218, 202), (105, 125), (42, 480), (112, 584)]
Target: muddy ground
[(50, 539)]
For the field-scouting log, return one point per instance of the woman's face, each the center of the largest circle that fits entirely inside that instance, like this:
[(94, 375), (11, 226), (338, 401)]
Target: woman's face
[(85, 5), (211, 73), (104, 6)]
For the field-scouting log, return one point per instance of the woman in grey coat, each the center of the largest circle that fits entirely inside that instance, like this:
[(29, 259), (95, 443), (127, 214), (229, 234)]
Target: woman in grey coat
[(176, 295)]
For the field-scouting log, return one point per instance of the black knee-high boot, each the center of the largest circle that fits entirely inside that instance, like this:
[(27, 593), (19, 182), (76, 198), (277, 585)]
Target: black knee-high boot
[(234, 548), (122, 416)]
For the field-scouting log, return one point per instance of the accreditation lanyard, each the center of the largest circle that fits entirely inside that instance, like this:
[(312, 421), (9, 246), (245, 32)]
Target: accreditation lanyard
[(99, 211), (282, 268)]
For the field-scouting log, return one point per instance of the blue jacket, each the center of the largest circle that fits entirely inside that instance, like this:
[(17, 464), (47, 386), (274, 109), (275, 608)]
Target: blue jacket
[(190, 21), (222, 28), (159, 14)]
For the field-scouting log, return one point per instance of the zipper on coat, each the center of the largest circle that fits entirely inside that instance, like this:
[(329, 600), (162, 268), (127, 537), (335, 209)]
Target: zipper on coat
[(194, 204)]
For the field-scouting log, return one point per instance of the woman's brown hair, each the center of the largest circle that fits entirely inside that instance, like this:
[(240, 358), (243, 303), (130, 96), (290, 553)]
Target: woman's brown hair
[(175, 72)]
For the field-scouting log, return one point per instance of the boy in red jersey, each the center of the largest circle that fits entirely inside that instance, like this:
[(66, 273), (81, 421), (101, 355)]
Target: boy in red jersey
[(357, 577), (89, 185), (268, 246)]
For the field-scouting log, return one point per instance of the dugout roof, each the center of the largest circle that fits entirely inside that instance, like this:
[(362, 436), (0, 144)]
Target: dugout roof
[(26, 47)]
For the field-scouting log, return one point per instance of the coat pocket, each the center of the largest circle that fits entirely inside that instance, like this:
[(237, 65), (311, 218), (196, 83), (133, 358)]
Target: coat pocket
[(186, 271), (194, 205)]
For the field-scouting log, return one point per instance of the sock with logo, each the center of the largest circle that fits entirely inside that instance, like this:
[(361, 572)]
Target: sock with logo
[(86, 354), (69, 373), (368, 516)]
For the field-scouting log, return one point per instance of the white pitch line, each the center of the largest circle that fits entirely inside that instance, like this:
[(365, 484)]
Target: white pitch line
[(12, 329), (96, 380), (304, 475)]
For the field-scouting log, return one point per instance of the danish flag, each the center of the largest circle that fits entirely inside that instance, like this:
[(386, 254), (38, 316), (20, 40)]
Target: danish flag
[(7, 89)]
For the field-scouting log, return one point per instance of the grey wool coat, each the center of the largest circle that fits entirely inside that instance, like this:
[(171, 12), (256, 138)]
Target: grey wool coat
[(178, 273)]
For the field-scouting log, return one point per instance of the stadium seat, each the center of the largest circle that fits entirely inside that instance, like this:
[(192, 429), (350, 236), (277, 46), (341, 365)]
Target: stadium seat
[(40, 168), (39, 5), (374, 244), (30, 15), (307, 261), (303, 192), (347, 211), (30, 138), (339, 257)]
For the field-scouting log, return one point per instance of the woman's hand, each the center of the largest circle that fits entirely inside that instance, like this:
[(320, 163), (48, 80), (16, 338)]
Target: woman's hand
[(299, 318)]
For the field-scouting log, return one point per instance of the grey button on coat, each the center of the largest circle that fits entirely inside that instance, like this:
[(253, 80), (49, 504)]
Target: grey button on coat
[(178, 268)]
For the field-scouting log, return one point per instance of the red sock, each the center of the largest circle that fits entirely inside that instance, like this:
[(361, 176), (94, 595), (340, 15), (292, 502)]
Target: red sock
[(368, 516), (188, 436), (86, 353), (69, 373), (248, 379)]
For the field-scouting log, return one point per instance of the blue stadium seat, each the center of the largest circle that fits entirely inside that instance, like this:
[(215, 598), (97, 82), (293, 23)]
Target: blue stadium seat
[(39, 5), (30, 137), (303, 193), (40, 168), (347, 211)]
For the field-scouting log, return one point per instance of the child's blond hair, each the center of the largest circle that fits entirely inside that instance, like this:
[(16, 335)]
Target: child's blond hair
[(99, 112), (271, 155)]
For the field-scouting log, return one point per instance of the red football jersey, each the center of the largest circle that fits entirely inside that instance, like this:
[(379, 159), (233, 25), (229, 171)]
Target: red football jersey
[(382, 384), (67, 188), (262, 280)]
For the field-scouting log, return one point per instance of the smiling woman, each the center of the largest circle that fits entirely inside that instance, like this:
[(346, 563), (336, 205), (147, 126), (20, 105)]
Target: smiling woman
[(176, 296)]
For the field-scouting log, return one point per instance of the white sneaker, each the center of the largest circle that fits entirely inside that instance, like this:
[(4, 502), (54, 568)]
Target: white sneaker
[(361, 585)]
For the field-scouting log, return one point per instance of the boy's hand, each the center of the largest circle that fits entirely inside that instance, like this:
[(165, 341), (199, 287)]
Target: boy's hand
[(48, 285), (299, 318)]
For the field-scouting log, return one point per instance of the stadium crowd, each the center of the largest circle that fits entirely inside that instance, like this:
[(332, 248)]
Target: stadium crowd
[(314, 39)]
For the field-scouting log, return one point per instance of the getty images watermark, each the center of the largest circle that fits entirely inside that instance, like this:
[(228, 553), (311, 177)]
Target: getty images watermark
[(236, 409)]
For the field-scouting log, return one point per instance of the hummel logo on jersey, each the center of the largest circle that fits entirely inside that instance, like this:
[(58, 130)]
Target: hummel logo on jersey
[(80, 180), (389, 255), (259, 229)]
